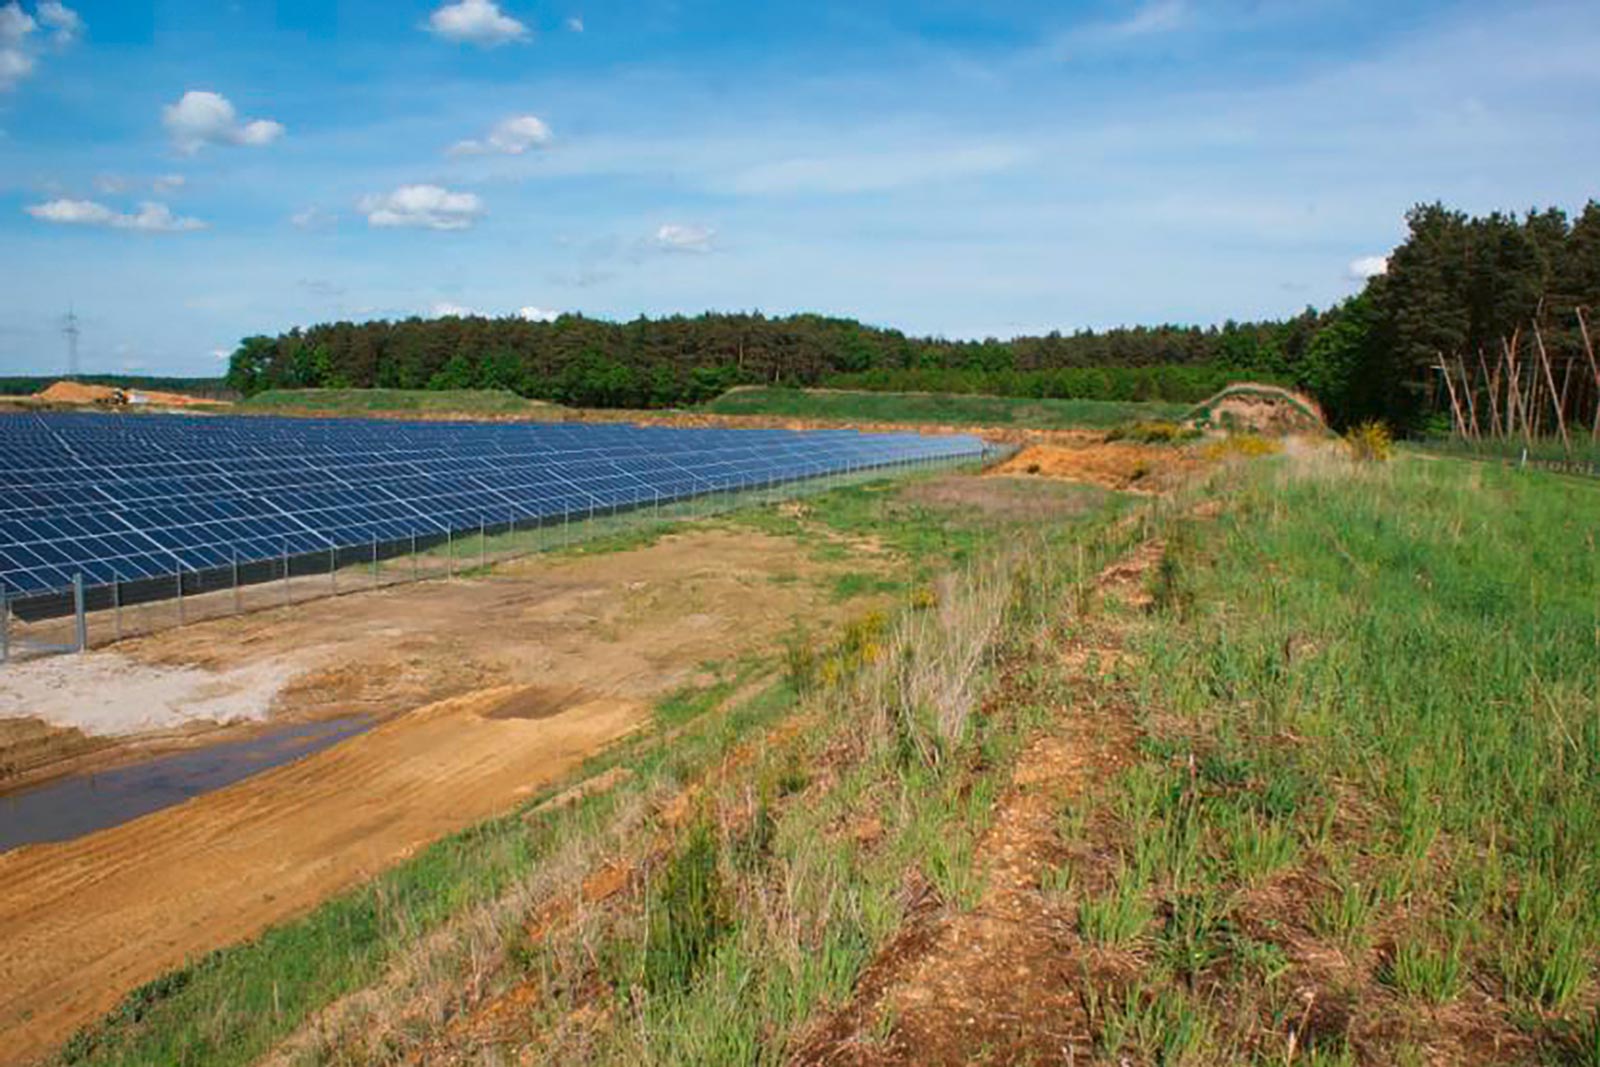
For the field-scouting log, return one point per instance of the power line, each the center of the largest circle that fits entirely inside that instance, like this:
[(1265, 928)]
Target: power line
[(69, 328)]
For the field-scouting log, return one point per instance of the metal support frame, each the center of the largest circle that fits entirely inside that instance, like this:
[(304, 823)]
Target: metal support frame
[(80, 617)]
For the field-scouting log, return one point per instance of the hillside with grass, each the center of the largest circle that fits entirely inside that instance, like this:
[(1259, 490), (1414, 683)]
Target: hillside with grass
[(1297, 764), (408, 403), (939, 409)]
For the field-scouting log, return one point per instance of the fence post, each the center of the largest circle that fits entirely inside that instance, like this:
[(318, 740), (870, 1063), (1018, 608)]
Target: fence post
[(416, 573), (178, 577), (79, 614), (287, 596)]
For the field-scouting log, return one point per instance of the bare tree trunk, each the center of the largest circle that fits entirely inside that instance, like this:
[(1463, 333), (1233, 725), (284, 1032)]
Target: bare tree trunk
[(1455, 409), (1594, 369), (1472, 405), (1494, 386), (1550, 380)]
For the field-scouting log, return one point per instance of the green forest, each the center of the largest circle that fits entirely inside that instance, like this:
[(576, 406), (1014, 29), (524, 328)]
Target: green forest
[(1480, 314)]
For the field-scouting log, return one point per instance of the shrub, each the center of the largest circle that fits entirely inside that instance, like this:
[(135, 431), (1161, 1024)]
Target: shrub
[(688, 914), (1369, 442)]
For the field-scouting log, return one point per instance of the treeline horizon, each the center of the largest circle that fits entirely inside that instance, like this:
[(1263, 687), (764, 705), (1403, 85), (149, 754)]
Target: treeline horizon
[(1456, 286)]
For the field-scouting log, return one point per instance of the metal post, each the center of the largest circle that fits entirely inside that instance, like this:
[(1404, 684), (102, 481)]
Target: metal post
[(333, 571), (375, 563), (79, 614), (483, 545), (449, 555), (5, 626), (179, 579), (236, 606), (287, 596), (116, 603), (415, 573)]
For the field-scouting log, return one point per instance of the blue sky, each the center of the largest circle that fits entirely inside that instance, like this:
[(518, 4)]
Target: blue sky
[(185, 174)]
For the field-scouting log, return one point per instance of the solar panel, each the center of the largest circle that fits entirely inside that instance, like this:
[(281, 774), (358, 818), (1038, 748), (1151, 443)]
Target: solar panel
[(118, 498)]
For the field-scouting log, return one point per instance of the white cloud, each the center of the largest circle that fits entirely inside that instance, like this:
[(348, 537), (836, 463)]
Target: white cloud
[(16, 27), (510, 137), (67, 23), (201, 117), (676, 237), (479, 22), (168, 183), (150, 218), (444, 309), (313, 218), (220, 354), (574, 24), (1367, 267), (429, 206), (533, 314)]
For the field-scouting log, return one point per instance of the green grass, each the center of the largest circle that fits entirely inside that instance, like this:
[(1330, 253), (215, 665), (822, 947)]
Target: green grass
[(1382, 683), (936, 408), (434, 403)]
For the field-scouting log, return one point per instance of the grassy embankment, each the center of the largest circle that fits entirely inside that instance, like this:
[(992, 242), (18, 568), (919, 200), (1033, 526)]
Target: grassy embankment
[(1365, 821), (451, 926), (412, 403), (946, 409), (1360, 823)]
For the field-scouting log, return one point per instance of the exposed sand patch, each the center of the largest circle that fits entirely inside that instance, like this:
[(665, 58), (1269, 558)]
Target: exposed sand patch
[(109, 694)]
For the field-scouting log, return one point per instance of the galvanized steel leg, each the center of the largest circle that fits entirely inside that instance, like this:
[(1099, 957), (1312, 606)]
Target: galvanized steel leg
[(79, 614), (237, 607), (5, 627)]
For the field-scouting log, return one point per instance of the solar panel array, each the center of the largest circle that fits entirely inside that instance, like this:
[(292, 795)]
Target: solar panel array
[(124, 498)]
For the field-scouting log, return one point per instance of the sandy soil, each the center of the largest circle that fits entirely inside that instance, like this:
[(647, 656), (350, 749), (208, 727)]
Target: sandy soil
[(65, 392), (84, 921), (107, 693), (634, 624), (488, 689), (1118, 465)]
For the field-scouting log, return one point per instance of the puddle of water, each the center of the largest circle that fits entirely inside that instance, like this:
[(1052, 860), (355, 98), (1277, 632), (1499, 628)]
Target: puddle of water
[(71, 807)]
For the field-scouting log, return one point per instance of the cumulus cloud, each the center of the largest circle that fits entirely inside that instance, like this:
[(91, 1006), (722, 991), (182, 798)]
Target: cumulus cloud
[(430, 207), (479, 22), (574, 24), (444, 310), (66, 25), (676, 237), (201, 117), (19, 46), (510, 137), (1367, 267), (151, 217), (533, 314)]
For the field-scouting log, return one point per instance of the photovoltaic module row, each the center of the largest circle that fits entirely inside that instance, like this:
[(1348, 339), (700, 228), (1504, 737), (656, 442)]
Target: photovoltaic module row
[(119, 498)]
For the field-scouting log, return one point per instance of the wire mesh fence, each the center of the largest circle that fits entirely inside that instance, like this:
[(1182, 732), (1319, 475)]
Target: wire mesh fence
[(85, 616)]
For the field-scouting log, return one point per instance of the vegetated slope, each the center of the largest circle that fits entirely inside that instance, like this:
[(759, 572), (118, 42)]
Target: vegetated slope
[(1339, 806), (946, 409), (411, 403), (1364, 742)]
